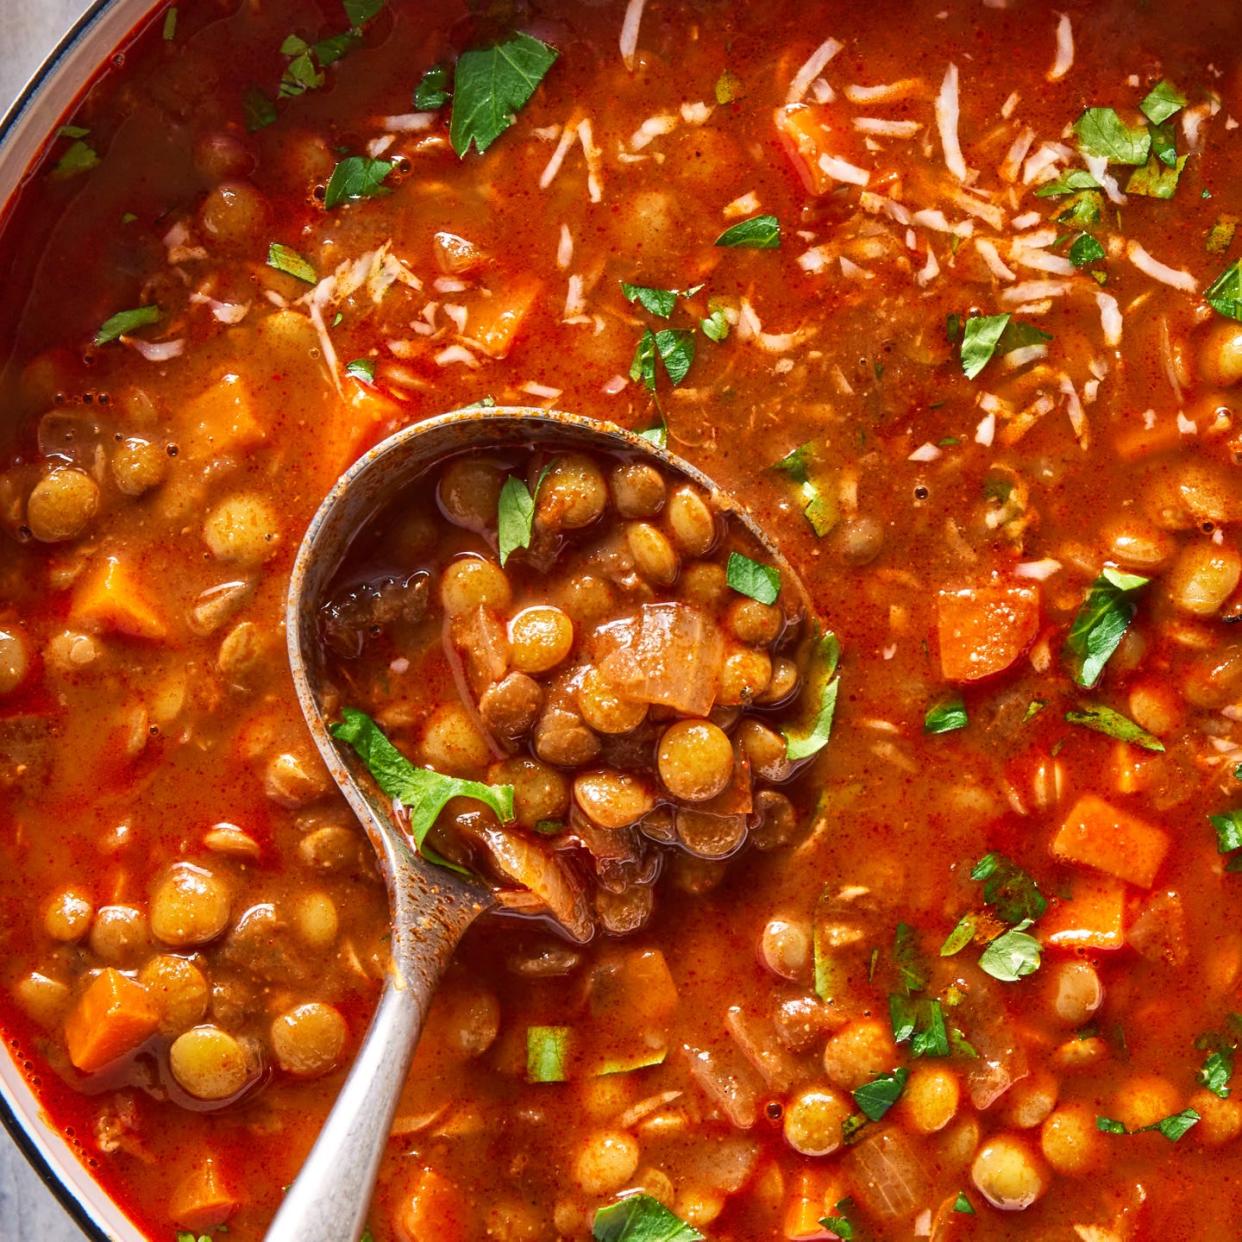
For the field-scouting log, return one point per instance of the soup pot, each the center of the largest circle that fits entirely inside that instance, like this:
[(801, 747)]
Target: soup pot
[(67, 72)]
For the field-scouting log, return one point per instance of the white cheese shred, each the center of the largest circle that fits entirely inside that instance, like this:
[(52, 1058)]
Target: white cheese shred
[(629, 31), (553, 166), (948, 112), (813, 67), (1110, 318), (1173, 276), (565, 248), (1064, 61)]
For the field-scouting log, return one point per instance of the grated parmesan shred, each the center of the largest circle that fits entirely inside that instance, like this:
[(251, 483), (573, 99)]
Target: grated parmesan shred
[(1149, 266), (813, 67), (629, 31), (948, 113), (1064, 61), (1110, 318)]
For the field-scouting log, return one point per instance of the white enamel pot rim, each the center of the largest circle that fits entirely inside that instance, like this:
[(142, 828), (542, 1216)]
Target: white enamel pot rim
[(24, 131)]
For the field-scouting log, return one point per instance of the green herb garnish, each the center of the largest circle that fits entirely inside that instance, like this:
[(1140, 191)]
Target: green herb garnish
[(757, 233), (1009, 890), (1071, 182), (946, 716), (515, 516), (422, 792), (750, 578), (355, 177), (1012, 955), (1224, 294), (1102, 132), (1155, 180), (1172, 1127), (640, 1218), (1112, 723), (491, 85), (1101, 623), (1162, 101), (284, 259), (362, 369), (432, 90), (986, 336), (124, 322), (822, 687), (1085, 250), (876, 1097), (547, 1048)]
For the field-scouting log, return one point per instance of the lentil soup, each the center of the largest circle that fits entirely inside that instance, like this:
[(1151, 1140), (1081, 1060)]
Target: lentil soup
[(949, 294)]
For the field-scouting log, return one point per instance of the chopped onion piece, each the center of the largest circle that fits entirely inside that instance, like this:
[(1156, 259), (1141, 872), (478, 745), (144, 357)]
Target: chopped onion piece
[(565, 248), (948, 113), (996, 265), (155, 351), (544, 391), (629, 31), (553, 166), (652, 128), (930, 269), (813, 67), (1098, 167), (925, 452), (455, 353), (696, 113), (985, 432), (595, 166), (842, 170), (886, 1174), (1149, 266), (1065, 50), (885, 92), (745, 205), (1034, 290), (1011, 166), (1039, 571), (733, 1088)]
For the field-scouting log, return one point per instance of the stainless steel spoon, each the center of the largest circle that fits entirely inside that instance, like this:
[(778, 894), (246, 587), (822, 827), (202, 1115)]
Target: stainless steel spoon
[(431, 908)]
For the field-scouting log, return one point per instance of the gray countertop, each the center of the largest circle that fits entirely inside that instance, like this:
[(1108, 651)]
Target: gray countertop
[(28, 1213)]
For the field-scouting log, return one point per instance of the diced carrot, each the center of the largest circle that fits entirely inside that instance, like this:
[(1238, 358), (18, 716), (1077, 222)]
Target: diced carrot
[(808, 134), (354, 426), (1092, 918), (202, 1200), (648, 986), (1133, 769), (221, 420), (1120, 844), (983, 629), (112, 1017), (435, 1210), (108, 598), (494, 323), (805, 1208)]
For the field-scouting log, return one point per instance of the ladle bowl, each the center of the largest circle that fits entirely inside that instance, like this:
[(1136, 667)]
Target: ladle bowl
[(431, 907)]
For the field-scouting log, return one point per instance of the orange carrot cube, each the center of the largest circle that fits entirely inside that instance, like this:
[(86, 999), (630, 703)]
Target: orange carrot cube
[(983, 629), (1092, 918), (1120, 844), (112, 1017), (202, 1200), (108, 598)]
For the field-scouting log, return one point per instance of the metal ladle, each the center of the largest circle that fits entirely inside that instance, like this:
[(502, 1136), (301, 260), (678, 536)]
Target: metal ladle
[(431, 907)]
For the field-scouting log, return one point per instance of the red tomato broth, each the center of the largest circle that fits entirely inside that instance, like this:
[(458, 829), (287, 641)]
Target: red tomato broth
[(909, 814)]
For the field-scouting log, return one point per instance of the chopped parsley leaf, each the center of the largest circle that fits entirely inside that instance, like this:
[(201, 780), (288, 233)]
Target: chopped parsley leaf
[(1161, 102), (359, 12), (1009, 890), (1164, 145), (822, 688), (79, 157), (1101, 623), (124, 322), (659, 302), (422, 791), (963, 1205), (1220, 235), (285, 259), (946, 716), (356, 177), (432, 91), (960, 936), (515, 516), (911, 968), (1085, 250), (1224, 294), (1113, 724), (752, 579), (876, 1097), (1172, 1127), (716, 325), (1070, 182), (658, 435), (1012, 955), (640, 1218), (1155, 180), (986, 336), (1228, 827), (1217, 1071), (757, 233), (1102, 132), (817, 508), (170, 24), (491, 84), (839, 1224), (362, 369), (676, 350)]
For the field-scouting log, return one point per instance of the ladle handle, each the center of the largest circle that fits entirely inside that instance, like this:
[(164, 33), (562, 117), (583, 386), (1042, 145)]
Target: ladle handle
[(329, 1198)]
